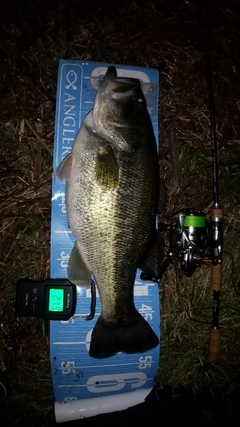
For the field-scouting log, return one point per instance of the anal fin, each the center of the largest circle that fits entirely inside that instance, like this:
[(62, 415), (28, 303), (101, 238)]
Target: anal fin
[(78, 272)]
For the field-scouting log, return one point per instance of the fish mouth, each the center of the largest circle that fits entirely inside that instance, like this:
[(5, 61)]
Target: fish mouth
[(114, 88), (111, 73), (112, 104), (119, 88)]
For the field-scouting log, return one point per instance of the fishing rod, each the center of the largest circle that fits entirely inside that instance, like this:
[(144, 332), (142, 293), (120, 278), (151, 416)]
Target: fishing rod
[(216, 227), (193, 239)]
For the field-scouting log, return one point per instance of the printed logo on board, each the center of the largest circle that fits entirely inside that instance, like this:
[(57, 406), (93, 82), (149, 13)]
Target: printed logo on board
[(70, 108)]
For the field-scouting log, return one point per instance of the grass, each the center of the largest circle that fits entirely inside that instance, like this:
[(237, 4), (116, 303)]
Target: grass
[(186, 317), (34, 37)]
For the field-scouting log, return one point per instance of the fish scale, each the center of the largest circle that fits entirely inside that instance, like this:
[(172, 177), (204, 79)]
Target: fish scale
[(119, 234)]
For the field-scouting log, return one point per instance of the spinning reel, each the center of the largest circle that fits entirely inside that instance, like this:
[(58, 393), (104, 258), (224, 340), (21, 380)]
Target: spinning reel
[(193, 240)]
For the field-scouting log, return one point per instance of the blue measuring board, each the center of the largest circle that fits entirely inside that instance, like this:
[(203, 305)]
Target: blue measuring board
[(76, 376)]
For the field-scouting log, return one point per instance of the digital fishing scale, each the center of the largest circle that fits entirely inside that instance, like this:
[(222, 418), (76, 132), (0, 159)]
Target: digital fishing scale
[(51, 299)]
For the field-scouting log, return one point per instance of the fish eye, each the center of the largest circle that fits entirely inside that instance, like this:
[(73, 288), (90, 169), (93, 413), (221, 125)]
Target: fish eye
[(139, 100)]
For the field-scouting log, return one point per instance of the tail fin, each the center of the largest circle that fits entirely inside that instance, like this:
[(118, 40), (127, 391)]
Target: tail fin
[(131, 335)]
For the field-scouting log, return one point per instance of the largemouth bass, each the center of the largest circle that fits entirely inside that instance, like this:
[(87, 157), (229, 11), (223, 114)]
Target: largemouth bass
[(111, 198)]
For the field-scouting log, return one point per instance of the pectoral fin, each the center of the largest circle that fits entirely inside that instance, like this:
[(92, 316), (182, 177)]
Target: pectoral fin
[(106, 168), (64, 169), (78, 272)]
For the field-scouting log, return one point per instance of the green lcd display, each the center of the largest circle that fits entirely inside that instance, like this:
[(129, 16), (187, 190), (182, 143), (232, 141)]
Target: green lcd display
[(56, 299)]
